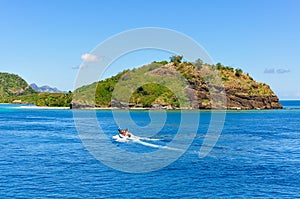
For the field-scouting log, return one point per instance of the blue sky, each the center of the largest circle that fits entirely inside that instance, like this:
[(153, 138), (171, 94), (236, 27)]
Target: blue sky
[(43, 41)]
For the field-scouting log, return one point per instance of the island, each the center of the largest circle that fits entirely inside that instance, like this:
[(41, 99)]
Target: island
[(15, 90), (197, 80), (241, 90)]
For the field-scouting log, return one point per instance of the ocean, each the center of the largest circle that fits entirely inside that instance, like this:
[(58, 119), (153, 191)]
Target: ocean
[(65, 154)]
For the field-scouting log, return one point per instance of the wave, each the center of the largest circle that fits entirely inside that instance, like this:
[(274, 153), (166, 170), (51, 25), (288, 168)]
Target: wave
[(141, 140), (149, 139), (156, 146)]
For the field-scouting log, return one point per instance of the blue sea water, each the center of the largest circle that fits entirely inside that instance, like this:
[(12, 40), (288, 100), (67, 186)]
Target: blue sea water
[(257, 155)]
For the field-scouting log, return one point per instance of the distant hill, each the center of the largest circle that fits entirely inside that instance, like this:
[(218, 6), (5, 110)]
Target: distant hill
[(13, 85), (242, 92), (170, 85), (45, 88), (14, 89)]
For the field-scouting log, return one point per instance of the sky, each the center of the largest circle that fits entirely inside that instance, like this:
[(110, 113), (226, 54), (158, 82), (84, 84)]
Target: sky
[(45, 42)]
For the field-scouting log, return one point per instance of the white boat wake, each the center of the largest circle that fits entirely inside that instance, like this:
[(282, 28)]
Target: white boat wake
[(141, 140), (157, 146)]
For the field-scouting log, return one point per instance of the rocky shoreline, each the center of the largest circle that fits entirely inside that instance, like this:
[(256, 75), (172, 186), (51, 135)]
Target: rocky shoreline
[(204, 87), (254, 103)]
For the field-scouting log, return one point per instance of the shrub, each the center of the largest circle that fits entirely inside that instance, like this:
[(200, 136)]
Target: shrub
[(176, 59), (219, 66), (238, 72), (198, 64), (225, 79)]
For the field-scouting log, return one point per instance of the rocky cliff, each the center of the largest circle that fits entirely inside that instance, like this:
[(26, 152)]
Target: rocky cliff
[(159, 85)]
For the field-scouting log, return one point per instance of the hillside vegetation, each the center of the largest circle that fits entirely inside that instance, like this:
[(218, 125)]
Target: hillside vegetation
[(13, 85), (14, 89), (177, 84), (159, 85)]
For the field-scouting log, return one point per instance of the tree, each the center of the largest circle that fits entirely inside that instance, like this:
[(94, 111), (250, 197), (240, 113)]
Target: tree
[(176, 59), (238, 72), (219, 66), (198, 64)]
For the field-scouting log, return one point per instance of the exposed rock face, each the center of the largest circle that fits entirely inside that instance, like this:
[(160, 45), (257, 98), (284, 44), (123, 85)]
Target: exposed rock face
[(243, 101), (208, 87), (75, 105), (241, 91)]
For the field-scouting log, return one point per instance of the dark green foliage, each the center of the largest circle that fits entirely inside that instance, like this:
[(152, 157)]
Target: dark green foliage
[(11, 84), (129, 87), (42, 99), (148, 93), (219, 66), (105, 88), (164, 62), (104, 92), (176, 59), (225, 79), (154, 84), (238, 72), (47, 99), (14, 88), (125, 87)]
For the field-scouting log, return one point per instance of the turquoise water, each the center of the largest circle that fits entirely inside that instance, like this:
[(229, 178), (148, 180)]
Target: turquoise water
[(257, 155)]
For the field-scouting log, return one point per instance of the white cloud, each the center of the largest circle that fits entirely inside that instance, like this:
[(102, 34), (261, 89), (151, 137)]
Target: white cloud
[(90, 58)]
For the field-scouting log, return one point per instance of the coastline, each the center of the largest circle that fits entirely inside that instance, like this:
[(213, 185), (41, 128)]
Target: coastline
[(177, 109), (44, 107), (27, 106)]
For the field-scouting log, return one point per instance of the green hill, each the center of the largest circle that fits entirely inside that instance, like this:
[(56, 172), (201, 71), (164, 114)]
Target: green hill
[(13, 85), (177, 84), (14, 89), (159, 85)]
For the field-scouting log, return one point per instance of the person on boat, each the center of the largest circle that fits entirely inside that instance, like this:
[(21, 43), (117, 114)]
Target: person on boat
[(125, 132)]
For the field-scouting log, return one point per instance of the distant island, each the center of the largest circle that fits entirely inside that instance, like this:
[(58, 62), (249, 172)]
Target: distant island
[(45, 88), (14, 89), (242, 92)]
